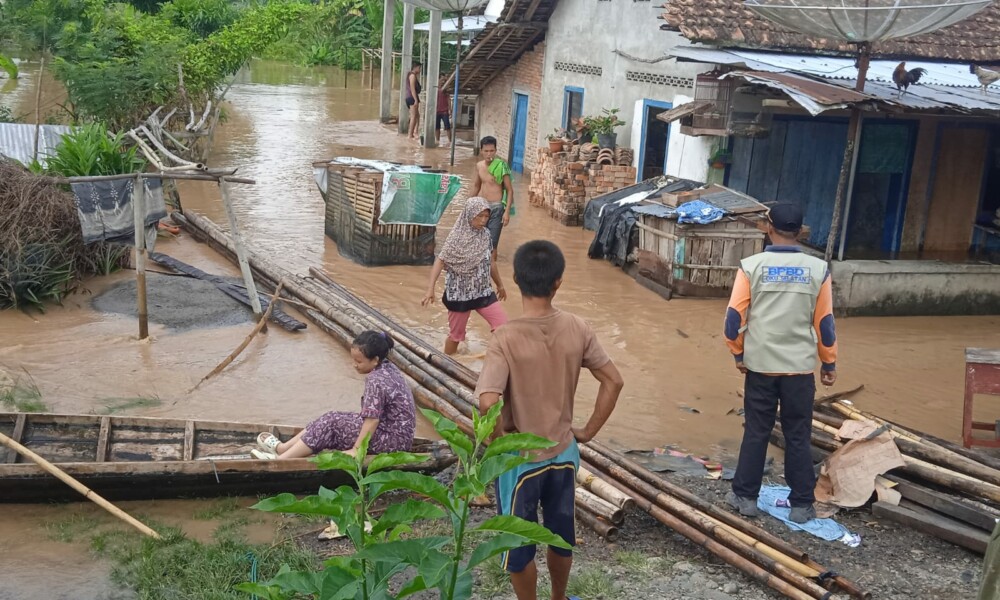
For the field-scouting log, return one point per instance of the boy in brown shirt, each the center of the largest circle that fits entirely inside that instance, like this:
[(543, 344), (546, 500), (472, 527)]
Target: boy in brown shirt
[(535, 362)]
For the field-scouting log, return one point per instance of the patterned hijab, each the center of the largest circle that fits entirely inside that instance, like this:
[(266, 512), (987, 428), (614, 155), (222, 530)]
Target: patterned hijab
[(464, 249)]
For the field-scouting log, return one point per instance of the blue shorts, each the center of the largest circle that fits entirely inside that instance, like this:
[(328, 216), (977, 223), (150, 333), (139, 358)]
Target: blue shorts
[(552, 485)]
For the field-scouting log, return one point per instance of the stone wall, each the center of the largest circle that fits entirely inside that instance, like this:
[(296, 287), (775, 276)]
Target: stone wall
[(524, 77), (565, 186)]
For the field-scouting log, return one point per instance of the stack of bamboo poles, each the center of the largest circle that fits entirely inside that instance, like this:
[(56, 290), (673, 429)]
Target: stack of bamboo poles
[(610, 483), (946, 490)]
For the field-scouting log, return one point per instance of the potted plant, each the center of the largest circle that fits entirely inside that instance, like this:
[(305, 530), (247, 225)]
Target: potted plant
[(556, 140), (603, 127), (719, 158)]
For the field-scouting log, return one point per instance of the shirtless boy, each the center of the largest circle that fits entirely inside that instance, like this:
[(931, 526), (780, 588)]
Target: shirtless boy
[(492, 182)]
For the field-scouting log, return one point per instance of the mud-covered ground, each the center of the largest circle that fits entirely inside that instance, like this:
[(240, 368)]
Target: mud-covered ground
[(649, 560)]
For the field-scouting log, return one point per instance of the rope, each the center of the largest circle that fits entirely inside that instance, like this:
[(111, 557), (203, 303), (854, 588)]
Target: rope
[(253, 570), (643, 60)]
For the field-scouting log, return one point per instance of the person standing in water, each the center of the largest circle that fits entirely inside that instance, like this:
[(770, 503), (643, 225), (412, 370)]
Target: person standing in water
[(443, 111), (467, 259), (413, 99), (388, 412), (492, 181), (779, 321)]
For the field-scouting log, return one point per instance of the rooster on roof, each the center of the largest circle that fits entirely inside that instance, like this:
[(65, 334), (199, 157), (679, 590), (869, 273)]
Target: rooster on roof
[(903, 78), (985, 76)]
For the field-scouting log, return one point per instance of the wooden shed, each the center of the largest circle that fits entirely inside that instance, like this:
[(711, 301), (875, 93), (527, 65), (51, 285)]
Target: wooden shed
[(700, 260), (353, 204)]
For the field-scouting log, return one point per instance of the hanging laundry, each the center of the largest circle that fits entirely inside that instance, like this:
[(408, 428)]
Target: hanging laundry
[(106, 213)]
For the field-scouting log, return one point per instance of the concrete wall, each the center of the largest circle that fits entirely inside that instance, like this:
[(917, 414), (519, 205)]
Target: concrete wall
[(497, 104), (904, 287), (581, 41)]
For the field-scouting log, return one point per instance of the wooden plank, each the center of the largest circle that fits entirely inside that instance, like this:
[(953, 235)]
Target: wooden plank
[(189, 431), (933, 524), (102, 440), (945, 504), (655, 232), (19, 424), (731, 235)]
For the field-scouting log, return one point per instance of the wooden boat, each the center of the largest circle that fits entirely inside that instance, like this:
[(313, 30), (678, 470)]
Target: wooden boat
[(132, 458)]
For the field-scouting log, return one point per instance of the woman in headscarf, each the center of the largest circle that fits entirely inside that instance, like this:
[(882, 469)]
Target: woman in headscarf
[(465, 258)]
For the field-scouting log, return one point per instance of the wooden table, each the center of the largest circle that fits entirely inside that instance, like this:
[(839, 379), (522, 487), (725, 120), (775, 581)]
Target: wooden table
[(982, 376)]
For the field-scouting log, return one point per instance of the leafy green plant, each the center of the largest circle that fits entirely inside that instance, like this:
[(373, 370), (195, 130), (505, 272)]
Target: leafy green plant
[(441, 562), (6, 115), (35, 273), (605, 124), (92, 150), (8, 66)]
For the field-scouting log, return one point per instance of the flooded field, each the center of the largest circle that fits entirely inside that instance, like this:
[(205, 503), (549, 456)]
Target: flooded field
[(680, 379)]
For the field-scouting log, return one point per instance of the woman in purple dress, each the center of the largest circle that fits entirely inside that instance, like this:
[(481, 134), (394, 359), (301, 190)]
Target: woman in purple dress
[(387, 412)]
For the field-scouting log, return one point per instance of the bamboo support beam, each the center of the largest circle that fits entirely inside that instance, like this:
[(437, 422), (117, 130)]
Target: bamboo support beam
[(87, 493), (139, 222), (599, 506), (603, 489)]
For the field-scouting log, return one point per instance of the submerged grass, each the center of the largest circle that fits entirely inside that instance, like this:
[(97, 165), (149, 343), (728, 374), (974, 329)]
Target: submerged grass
[(220, 508), (179, 567), (72, 527), (117, 405), (21, 394)]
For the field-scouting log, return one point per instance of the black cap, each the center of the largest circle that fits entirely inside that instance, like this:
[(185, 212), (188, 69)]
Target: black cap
[(786, 217)]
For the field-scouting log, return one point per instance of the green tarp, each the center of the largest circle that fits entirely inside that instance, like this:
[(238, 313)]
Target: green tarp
[(416, 198)]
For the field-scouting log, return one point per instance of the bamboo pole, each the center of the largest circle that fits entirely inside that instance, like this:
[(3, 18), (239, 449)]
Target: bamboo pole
[(698, 519), (603, 528), (139, 222), (185, 176), (241, 253), (599, 506), (732, 557), (857, 415), (87, 493), (38, 105), (603, 489)]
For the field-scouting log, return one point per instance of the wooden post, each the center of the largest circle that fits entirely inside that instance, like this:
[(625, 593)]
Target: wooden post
[(139, 215), (385, 88), (433, 70), (38, 104), (405, 64), (241, 253)]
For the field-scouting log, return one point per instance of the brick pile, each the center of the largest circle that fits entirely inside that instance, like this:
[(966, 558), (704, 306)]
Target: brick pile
[(565, 186)]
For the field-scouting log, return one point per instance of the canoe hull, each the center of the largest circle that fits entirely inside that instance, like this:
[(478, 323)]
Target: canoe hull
[(132, 458)]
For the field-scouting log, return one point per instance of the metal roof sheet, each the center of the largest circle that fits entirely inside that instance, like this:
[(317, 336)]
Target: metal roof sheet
[(946, 87), (17, 140)]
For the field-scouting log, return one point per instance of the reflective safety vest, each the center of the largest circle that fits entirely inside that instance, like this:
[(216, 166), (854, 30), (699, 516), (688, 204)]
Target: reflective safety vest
[(779, 336)]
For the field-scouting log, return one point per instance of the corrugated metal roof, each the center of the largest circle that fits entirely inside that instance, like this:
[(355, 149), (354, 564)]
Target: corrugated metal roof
[(946, 86), (17, 140)]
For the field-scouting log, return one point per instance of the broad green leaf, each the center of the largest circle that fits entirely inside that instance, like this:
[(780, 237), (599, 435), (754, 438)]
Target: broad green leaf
[(362, 453), (8, 65), (412, 586), (533, 532), (382, 462), (344, 563), (501, 543), (310, 505), (330, 460), (467, 487), (387, 481), (340, 592), (264, 592), (517, 442), (422, 553), (407, 512), (463, 587), (460, 443), (495, 466), (398, 531), (485, 424)]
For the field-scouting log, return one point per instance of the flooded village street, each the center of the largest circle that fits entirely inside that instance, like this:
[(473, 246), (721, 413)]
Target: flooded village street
[(681, 386)]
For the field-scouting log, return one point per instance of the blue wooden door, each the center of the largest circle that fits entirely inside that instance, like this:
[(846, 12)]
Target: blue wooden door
[(519, 135)]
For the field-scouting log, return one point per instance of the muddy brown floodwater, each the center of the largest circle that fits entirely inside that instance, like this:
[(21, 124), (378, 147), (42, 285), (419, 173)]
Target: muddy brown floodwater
[(680, 379)]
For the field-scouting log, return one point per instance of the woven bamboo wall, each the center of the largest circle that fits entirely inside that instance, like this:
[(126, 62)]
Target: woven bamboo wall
[(353, 203)]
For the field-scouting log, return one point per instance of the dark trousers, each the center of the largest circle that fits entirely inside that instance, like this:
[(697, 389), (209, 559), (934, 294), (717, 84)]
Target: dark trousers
[(761, 397)]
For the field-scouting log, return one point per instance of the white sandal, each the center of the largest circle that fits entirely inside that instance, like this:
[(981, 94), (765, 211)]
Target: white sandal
[(259, 455), (267, 442)]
